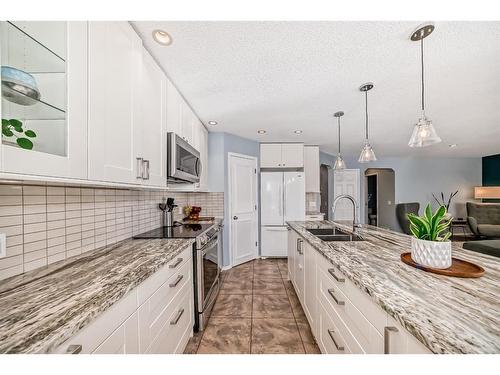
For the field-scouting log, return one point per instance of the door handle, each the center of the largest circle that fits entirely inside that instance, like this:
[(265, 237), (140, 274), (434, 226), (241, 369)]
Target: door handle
[(387, 342), (339, 347), (331, 292), (74, 349), (235, 217), (140, 166)]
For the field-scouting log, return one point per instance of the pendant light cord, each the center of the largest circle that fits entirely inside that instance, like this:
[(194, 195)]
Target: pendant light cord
[(422, 65), (366, 114), (339, 134)]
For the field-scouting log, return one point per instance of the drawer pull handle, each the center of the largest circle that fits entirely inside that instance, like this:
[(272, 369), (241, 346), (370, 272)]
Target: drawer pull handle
[(177, 317), (339, 347), (331, 271), (176, 282), (337, 301), (387, 338), (179, 261), (74, 349)]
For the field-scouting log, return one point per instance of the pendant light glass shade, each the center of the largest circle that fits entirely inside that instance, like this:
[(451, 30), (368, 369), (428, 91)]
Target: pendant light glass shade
[(423, 134), (367, 154), (339, 162)]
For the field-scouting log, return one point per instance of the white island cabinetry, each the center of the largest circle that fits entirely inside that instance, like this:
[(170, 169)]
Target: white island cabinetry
[(342, 317)]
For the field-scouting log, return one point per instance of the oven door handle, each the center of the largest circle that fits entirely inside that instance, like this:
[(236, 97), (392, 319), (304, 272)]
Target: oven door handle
[(209, 245)]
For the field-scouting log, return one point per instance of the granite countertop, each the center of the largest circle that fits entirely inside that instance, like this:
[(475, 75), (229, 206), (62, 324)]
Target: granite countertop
[(446, 314), (43, 308)]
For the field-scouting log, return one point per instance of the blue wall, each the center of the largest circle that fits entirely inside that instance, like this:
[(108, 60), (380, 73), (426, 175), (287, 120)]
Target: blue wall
[(219, 145)]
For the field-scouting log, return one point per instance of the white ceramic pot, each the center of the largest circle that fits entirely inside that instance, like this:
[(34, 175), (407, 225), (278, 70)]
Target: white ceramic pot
[(431, 253)]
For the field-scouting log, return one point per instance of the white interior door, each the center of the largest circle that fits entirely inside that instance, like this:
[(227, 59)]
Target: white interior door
[(242, 208), (294, 196), (271, 197), (346, 182)]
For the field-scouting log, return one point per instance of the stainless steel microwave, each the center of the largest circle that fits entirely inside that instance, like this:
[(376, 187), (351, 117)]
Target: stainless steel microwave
[(183, 161)]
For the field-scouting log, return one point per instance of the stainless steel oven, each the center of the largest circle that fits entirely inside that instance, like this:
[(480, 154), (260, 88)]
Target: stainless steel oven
[(207, 270), (183, 161)]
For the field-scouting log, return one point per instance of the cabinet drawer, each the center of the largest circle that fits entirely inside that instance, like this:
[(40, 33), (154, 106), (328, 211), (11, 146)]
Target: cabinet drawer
[(96, 332), (174, 334), (124, 340), (370, 310), (368, 338), (156, 311), (400, 341), (149, 286), (329, 338)]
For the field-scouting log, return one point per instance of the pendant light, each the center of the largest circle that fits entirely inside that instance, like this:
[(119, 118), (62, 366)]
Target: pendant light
[(367, 155), (339, 162), (424, 133)]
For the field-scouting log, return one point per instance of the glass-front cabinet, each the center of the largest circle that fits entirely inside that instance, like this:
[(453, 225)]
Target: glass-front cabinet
[(44, 98)]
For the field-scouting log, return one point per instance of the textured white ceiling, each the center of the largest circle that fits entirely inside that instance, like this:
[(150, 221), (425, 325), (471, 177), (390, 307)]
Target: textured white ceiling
[(282, 76)]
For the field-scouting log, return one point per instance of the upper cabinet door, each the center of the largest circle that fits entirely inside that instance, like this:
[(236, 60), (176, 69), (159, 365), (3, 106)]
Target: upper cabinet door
[(115, 58), (153, 121), (188, 118), (292, 155), (174, 109), (270, 155), (52, 56), (204, 158)]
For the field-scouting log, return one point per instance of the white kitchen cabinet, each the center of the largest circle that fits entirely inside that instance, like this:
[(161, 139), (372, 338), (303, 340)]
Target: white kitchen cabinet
[(174, 109), (60, 147), (270, 155), (274, 241), (124, 340), (203, 141), (310, 286), (292, 155), (155, 317), (114, 131), (311, 168), (153, 122), (282, 155), (187, 122), (342, 317)]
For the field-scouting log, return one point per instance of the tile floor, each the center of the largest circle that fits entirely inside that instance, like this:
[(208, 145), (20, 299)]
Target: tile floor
[(258, 312)]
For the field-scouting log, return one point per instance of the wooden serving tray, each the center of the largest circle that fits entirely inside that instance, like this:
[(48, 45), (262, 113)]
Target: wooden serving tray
[(459, 267)]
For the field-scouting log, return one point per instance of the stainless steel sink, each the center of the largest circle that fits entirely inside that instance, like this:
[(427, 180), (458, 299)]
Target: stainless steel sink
[(334, 234), (325, 231), (339, 237)]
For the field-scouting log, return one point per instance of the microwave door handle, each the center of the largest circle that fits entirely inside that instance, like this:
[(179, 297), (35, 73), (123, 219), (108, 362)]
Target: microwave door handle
[(199, 167)]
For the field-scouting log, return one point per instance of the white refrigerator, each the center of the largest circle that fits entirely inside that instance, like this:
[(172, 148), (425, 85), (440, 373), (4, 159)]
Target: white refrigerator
[(282, 199)]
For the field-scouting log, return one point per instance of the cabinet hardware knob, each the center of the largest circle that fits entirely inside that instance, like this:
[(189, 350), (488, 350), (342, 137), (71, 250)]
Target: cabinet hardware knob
[(179, 261), (331, 292), (74, 349), (235, 217), (177, 317), (339, 347), (387, 338), (176, 282), (331, 271)]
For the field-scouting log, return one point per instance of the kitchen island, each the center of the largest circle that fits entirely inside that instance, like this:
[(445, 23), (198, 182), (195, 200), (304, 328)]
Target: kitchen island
[(445, 314)]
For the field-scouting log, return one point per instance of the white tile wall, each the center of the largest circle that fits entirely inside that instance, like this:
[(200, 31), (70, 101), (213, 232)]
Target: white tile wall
[(46, 224)]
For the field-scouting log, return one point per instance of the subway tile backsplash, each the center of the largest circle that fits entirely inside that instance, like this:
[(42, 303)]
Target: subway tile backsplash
[(46, 224)]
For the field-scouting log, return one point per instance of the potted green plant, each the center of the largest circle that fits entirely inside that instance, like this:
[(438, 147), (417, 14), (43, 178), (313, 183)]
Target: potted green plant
[(430, 244), (13, 126)]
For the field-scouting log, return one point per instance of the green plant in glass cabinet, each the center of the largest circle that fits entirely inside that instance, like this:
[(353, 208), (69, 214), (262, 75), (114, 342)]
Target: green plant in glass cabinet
[(13, 126)]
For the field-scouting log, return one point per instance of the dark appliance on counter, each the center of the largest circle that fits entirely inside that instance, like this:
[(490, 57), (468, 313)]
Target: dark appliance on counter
[(206, 263)]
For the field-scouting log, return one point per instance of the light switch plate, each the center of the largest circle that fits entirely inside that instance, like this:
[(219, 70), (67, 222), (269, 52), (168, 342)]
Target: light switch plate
[(3, 245)]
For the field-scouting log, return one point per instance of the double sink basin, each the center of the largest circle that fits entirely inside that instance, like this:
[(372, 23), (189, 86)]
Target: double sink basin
[(334, 234)]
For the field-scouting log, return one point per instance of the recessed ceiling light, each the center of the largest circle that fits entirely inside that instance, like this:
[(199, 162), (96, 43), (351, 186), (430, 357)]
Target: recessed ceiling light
[(452, 145), (297, 131), (261, 131), (162, 37), (212, 123)]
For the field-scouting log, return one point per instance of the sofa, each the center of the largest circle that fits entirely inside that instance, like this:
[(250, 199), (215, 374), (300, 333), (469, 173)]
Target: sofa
[(484, 219), (403, 209)]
